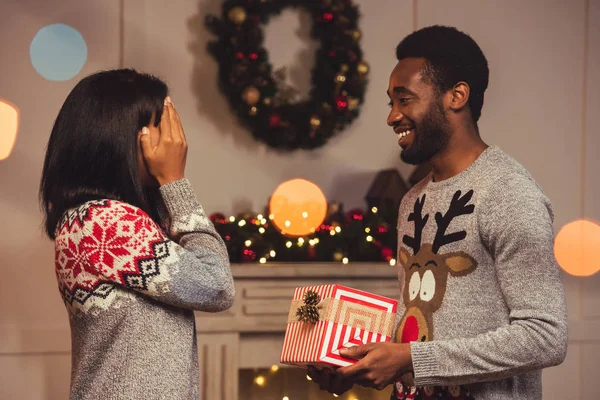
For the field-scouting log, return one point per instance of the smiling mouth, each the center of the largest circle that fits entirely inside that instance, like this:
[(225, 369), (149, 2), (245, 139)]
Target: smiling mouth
[(402, 135)]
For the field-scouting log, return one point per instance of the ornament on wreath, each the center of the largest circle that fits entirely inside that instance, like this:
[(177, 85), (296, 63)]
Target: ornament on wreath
[(256, 92)]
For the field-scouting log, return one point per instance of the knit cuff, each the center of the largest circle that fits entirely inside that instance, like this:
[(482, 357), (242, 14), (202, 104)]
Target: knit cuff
[(179, 197), (425, 364)]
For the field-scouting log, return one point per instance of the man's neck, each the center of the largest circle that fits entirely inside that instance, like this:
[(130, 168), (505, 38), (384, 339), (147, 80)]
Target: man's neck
[(458, 156)]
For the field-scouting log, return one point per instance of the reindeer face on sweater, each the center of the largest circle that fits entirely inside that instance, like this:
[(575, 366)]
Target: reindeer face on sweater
[(426, 270)]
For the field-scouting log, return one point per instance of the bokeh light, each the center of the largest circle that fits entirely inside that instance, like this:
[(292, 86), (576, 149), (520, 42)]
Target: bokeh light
[(58, 52), (9, 127), (577, 248), (297, 207)]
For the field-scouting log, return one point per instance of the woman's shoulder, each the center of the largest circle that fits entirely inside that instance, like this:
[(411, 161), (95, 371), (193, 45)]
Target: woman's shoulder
[(102, 212)]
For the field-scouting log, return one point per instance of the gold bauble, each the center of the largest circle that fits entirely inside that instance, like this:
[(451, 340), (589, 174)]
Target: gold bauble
[(344, 68), (253, 111), (267, 101), (315, 122), (352, 103), (340, 78), (362, 68), (337, 256), (251, 95), (356, 35), (237, 15)]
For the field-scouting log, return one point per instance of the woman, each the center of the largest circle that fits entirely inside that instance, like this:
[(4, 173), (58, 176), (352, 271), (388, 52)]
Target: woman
[(135, 252)]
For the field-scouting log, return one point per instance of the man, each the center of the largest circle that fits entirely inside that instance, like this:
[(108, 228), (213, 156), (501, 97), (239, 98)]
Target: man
[(483, 307)]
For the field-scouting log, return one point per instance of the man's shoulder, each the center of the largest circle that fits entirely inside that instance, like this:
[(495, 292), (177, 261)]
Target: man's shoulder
[(502, 170)]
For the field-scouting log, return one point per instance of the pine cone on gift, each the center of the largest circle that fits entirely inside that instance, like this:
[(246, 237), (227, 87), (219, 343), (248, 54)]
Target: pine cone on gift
[(308, 313), (311, 298)]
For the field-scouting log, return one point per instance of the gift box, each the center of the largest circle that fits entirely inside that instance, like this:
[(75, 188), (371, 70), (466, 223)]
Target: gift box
[(325, 319)]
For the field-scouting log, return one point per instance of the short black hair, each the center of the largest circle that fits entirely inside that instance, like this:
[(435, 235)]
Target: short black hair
[(451, 56), (92, 149)]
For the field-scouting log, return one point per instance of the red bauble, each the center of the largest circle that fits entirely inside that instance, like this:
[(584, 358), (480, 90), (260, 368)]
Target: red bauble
[(217, 218), (387, 254), (248, 255), (331, 53), (253, 56), (355, 214), (327, 17), (341, 102), (352, 55), (239, 55), (312, 252), (382, 228), (274, 120), (255, 19)]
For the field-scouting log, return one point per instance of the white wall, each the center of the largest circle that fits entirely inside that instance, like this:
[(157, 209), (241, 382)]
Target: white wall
[(541, 107)]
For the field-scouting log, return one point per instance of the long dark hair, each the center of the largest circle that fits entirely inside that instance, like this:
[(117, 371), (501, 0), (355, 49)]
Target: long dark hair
[(92, 150)]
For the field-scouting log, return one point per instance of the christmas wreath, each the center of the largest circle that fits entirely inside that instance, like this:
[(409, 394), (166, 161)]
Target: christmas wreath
[(260, 96)]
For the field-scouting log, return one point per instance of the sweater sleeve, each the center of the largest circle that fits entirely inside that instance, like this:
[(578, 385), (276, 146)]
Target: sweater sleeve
[(125, 246), (515, 223)]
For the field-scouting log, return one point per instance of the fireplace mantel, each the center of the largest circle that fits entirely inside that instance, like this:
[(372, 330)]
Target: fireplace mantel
[(250, 334)]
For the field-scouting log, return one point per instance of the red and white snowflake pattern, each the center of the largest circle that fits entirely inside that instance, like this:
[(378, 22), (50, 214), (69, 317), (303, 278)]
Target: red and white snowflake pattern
[(104, 247)]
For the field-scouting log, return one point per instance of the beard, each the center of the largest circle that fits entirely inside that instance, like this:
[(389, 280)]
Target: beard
[(431, 136)]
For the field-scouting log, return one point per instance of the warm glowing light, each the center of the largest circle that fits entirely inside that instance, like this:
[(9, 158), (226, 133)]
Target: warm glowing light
[(345, 260), (285, 398), (262, 260), (308, 378), (335, 395), (260, 380), (369, 238), (332, 233), (9, 127), (577, 248), (288, 244), (298, 206), (232, 219), (338, 229), (248, 243), (393, 262), (374, 210), (242, 223), (367, 230), (259, 217), (272, 253), (274, 368), (261, 229)]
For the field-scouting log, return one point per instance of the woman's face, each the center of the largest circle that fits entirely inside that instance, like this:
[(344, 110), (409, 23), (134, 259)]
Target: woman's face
[(147, 179)]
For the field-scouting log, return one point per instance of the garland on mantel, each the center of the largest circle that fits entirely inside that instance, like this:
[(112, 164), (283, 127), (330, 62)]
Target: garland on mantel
[(342, 237), (260, 96)]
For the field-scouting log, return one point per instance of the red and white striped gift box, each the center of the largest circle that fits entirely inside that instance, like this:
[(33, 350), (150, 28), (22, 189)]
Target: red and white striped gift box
[(347, 317)]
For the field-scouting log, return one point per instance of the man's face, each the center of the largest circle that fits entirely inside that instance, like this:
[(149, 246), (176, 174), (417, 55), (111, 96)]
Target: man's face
[(417, 113)]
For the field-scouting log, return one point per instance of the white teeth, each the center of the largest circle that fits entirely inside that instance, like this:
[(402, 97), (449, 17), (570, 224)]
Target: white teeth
[(403, 134)]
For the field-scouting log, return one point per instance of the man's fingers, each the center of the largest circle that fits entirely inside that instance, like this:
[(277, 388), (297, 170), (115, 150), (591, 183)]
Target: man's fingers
[(352, 371), (355, 352)]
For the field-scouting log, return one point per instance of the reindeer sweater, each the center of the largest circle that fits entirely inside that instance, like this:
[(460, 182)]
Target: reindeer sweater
[(483, 302), (130, 289)]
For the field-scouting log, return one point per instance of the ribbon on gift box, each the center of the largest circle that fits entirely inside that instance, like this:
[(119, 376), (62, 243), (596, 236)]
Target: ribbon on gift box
[(347, 313)]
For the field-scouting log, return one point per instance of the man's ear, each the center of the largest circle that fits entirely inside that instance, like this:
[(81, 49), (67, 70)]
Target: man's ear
[(459, 96)]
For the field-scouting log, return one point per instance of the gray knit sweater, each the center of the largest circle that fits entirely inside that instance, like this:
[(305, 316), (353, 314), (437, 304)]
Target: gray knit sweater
[(130, 290), (483, 301)]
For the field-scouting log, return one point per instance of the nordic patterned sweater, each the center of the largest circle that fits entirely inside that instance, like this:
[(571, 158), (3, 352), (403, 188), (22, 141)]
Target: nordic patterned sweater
[(130, 291), (483, 303)]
